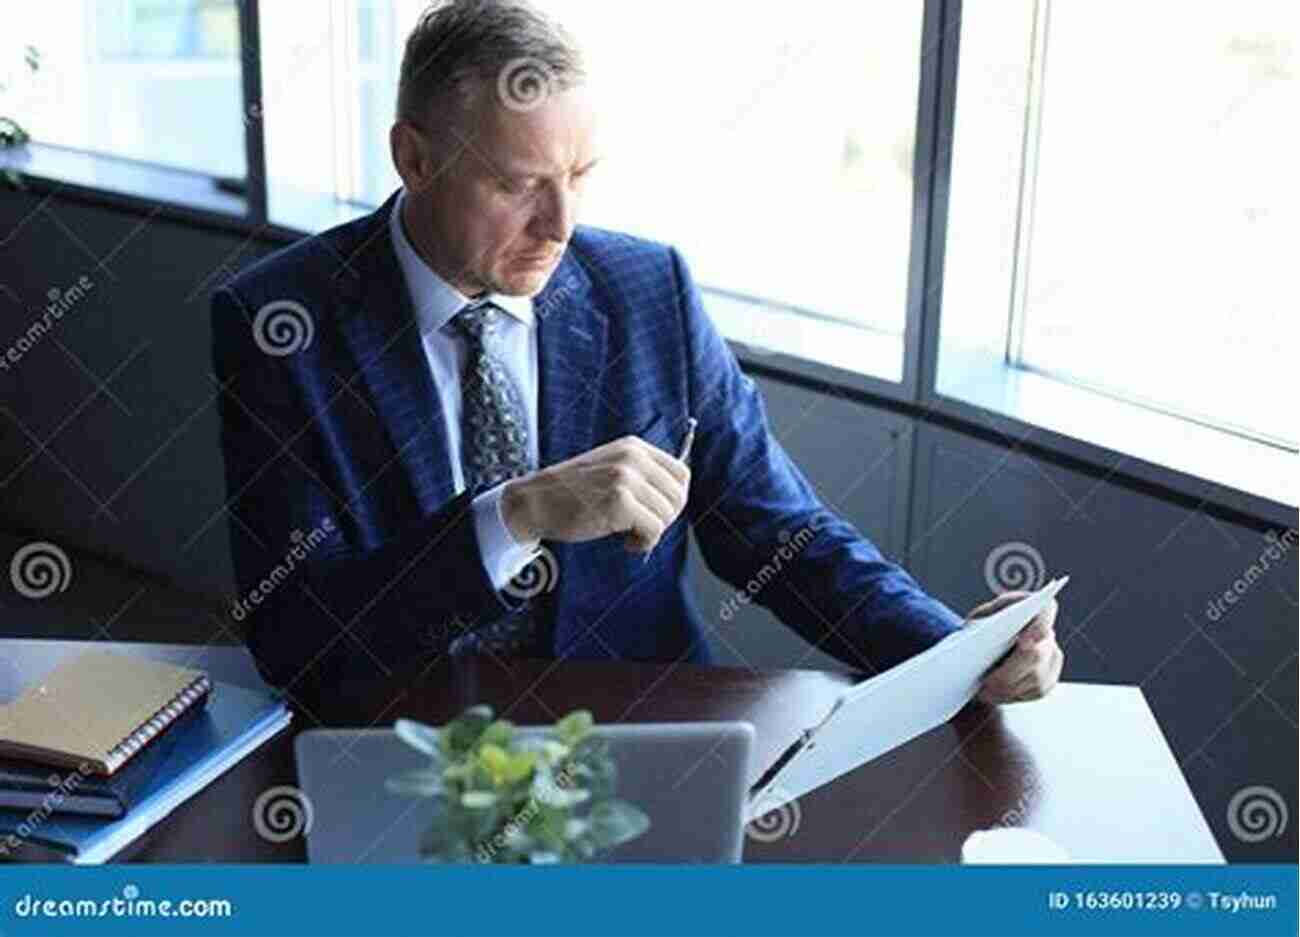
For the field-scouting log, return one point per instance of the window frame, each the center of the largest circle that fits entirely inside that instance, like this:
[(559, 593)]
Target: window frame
[(915, 394)]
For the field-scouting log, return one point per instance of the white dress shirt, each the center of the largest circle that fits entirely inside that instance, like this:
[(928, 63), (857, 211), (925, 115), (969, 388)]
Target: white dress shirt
[(436, 302)]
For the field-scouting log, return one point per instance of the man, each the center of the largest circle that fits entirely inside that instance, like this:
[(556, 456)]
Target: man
[(453, 426)]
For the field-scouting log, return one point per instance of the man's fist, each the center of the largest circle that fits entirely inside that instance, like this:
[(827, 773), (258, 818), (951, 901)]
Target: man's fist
[(1035, 662), (626, 486)]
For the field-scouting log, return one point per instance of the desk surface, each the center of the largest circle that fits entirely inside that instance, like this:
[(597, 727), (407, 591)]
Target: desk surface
[(1088, 766)]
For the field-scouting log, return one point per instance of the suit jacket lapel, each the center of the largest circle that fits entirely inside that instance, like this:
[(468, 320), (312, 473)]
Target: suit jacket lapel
[(379, 325), (572, 336)]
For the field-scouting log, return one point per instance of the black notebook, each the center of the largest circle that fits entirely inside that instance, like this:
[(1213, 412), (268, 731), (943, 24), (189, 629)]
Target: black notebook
[(26, 785)]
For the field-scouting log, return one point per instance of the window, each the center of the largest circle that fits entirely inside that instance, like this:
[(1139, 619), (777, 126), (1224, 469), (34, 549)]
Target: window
[(151, 80), (776, 151), (1122, 207)]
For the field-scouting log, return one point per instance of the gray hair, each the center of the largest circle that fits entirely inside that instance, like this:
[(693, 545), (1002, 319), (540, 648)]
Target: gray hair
[(460, 48)]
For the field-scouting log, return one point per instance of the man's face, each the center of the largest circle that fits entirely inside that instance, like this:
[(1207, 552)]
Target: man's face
[(500, 216)]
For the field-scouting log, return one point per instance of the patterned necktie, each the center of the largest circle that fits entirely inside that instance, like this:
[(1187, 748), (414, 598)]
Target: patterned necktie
[(494, 424), (493, 449)]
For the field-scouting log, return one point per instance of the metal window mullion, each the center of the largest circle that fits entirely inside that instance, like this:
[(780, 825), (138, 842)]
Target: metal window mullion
[(932, 175), (345, 105), (250, 48), (1030, 143)]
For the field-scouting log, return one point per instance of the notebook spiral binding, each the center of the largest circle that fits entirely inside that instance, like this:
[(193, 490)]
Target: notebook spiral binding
[(124, 749)]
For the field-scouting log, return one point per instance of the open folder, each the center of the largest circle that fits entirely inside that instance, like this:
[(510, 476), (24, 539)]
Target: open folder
[(878, 715)]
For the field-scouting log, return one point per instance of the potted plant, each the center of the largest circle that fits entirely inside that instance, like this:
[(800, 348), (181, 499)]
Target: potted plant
[(501, 798)]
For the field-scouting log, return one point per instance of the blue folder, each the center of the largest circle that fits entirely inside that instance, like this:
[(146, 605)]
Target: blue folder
[(235, 722)]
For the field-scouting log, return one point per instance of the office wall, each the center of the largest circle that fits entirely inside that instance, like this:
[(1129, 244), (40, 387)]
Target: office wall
[(108, 444), (108, 432)]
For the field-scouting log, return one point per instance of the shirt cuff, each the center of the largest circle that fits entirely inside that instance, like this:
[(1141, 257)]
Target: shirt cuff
[(503, 556)]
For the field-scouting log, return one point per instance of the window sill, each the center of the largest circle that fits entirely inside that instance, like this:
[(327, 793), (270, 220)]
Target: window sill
[(773, 337), (63, 167), (310, 212), (1128, 438)]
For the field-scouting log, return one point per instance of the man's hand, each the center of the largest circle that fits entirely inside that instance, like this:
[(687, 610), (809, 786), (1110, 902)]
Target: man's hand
[(626, 486), (1035, 662)]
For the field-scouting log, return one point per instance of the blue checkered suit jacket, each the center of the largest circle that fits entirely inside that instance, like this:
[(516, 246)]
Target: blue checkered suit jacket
[(353, 553)]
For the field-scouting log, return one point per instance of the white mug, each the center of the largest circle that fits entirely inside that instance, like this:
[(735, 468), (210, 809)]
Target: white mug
[(1010, 845)]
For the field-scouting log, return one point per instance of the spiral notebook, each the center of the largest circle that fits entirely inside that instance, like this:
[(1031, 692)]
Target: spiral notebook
[(95, 711)]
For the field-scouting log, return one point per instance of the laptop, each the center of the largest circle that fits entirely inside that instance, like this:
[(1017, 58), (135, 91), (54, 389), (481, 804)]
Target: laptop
[(689, 778)]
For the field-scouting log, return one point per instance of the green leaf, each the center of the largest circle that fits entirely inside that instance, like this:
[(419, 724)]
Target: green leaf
[(478, 800), (592, 767), (500, 733), (549, 793), (459, 736), (493, 758), (616, 821), (460, 771), (520, 766), (422, 782), (554, 751), (419, 736), (548, 828), (574, 726)]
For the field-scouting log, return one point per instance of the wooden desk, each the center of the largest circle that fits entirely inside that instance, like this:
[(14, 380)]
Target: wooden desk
[(1087, 766)]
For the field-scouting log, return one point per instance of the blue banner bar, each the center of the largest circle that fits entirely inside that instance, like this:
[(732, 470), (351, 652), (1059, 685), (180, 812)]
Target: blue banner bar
[(570, 901)]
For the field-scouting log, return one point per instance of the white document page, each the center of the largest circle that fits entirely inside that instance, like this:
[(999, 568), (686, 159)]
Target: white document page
[(878, 715)]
